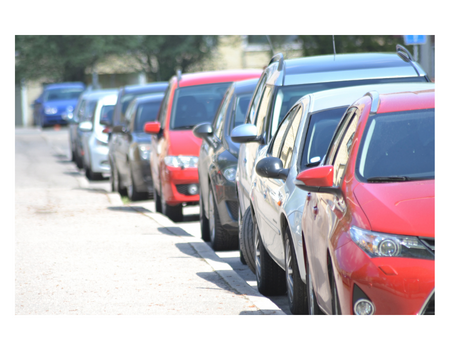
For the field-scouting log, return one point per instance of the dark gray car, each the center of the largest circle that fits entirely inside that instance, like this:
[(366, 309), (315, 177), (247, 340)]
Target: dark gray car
[(219, 206)]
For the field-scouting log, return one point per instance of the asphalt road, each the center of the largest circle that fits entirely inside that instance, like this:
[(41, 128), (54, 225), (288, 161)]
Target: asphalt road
[(81, 250)]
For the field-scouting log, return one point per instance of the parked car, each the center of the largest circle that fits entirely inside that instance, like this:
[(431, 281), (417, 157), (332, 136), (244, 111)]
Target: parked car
[(189, 100), (125, 96), (285, 81), (217, 168), (368, 223), (132, 153), (55, 100), (277, 204), (94, 140), (84, 110)]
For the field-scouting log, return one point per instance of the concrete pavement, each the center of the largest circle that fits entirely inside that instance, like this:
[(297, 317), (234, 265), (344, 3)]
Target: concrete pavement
[(81, 251)]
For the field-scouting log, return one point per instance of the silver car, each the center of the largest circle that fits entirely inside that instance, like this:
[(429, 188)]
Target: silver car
[(277, 204), (95, 141)]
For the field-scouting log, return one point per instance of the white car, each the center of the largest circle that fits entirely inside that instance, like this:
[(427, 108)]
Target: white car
[(95, 141)]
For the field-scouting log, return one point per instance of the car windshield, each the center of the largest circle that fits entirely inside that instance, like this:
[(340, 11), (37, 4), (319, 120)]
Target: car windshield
[(62, 94), (320, 131), (242, 103), (196, 104), (145, 112), (127, 98), (397, 147), (286, 96)]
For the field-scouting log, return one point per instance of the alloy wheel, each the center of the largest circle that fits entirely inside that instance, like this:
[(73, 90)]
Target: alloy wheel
[(289, 269)]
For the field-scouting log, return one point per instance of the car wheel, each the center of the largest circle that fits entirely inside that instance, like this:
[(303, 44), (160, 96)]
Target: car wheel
[(112, 177), (117, 184), (204, 222), (173, 212), (220, 239), (157, 199), (78, 160), (296, 289), (134, 195), (270, 278), (313, 307), (247, 239), (335, 304)]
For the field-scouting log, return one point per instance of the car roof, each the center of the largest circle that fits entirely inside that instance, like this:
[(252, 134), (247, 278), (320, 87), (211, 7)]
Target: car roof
[(245, 86), (92, 94), (108, 100), (341, 67), (64, 85), (156, 86), (406, 100), (199, 78), (149, 98), (348, 95)]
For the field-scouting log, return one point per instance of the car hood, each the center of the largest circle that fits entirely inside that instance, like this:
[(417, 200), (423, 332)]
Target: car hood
[(183, 142), (61, 104), (400, 207)]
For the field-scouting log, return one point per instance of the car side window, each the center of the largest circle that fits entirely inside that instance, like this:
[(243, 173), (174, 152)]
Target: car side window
[(161, 118), (80, 112), (130, 111), (280, 134), (218, 123), (263, 110), (255, 102), (343, 151), (289, 140)]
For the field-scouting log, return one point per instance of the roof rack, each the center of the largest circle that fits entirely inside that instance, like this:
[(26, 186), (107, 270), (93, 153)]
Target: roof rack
[(404, 54), (280, 58), (178, 77), (374, 95)]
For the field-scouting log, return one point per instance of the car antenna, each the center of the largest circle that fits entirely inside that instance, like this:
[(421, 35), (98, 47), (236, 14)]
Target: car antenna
[(270, 44), (334, 48)]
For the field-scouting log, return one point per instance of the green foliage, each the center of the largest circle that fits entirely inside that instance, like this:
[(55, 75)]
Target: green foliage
[(66, 57)]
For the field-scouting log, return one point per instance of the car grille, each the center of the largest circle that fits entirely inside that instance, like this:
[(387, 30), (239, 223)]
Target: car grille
[(184, 189), (233, 208), (429, 307)]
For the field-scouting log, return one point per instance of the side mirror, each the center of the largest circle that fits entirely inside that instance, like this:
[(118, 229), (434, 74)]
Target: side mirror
[(271, 167), (244, 133), (203, 130), (152, 127), (85, 126), (318, 179)]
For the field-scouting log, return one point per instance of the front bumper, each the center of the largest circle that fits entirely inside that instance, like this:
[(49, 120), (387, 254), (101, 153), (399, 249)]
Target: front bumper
[(99, 159), (53, 120), (173, 181), (395, 286)]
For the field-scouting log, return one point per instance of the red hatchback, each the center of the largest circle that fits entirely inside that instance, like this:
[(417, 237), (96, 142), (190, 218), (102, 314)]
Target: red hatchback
[(190, 99), (368, 221)]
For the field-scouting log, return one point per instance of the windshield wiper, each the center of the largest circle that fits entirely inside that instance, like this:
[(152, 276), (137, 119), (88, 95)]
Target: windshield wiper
[(388, 179)]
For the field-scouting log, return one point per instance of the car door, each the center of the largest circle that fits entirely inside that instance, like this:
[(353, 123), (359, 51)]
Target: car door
[(275, 189), (325, 209)]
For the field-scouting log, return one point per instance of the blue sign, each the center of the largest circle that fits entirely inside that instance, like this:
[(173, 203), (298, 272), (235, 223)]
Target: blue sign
[(415, 39)]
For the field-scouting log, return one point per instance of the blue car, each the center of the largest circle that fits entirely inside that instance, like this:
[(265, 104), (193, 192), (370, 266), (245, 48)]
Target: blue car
[(56, 100)]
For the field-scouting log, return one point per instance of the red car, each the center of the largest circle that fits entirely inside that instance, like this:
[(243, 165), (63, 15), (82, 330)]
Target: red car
[(189, 100), (368, 220)]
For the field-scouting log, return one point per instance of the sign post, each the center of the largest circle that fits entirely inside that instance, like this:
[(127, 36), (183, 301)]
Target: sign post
[(415, 40)]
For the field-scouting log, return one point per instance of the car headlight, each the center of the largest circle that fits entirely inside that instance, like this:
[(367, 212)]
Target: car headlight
[(181, 161), (144, 151), (51, 110), (377, 244), (230, 174)]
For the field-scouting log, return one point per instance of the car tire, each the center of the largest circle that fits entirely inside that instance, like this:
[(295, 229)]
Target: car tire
[(204, 222), (247, 240), (270, 278), (296, 289), (220, 239), (78, 160), (133, 194), (173, 212), (313, 307), (157, 199), (92, 175), (335, 304), (116, 183)]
